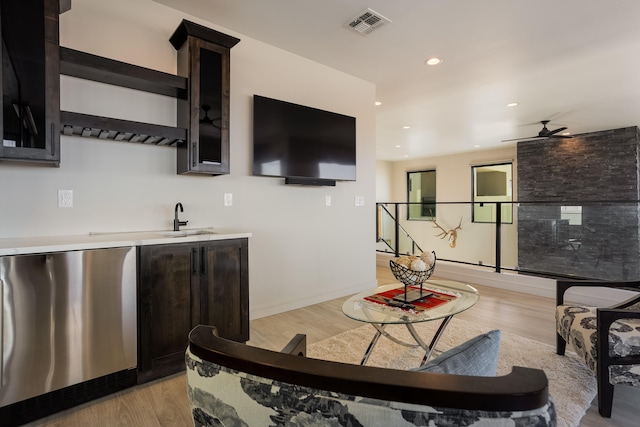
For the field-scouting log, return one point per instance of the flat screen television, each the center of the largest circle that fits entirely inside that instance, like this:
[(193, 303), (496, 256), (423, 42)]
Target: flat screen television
[(303, 144)]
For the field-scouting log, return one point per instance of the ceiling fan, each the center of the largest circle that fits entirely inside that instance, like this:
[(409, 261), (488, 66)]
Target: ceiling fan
[(206, 120), (544, 133)]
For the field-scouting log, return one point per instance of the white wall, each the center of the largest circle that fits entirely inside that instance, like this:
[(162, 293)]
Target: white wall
[(384, 171), (301, 251), (476, 242)]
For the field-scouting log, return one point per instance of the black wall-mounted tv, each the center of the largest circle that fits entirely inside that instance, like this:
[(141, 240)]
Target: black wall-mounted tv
[(303, 144)]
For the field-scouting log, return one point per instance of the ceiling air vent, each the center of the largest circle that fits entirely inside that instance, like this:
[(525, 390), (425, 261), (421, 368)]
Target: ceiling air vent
[(366, 22)]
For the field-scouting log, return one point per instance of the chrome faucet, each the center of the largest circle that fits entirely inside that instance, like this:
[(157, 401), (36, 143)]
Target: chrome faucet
[(176, 221)]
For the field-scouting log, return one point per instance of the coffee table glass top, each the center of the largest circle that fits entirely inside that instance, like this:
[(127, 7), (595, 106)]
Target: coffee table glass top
[(362, 310)]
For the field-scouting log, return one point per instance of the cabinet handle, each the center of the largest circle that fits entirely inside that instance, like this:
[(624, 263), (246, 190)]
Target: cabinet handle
[(203, 254), (194, 261), (193, 153), (53, 146)]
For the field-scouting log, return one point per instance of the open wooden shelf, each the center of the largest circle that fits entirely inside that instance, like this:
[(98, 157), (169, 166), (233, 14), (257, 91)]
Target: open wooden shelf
[(86, 125), (104, 70), (97, 68)]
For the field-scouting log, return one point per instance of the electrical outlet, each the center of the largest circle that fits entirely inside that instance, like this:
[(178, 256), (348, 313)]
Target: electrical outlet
[(65, 198), (327, 200), (228, 199)]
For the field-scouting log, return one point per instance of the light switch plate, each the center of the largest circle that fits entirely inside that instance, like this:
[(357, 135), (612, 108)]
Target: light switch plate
[(327, 200), (359, 201), (228, 199)]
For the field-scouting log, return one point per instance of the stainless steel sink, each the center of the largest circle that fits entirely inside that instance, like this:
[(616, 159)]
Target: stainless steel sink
[(184, 233)]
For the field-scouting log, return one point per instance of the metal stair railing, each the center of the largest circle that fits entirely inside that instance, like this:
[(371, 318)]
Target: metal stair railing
[(383, 213)]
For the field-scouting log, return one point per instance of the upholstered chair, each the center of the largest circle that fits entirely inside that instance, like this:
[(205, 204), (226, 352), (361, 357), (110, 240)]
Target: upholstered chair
[(607, 339), (231, 383)]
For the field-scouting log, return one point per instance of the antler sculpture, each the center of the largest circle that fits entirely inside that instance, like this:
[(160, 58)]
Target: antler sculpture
[(452, 234)]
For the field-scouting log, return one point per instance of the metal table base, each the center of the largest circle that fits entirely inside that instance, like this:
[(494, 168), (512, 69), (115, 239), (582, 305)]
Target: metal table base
[(380, 331)]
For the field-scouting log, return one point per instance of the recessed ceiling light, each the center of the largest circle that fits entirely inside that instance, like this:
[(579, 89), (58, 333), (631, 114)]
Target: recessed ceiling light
[(378, 103), (398, 146), (566, 133), (433, 61), (406, 127), (406, 155), (512, 104), (476, 146)]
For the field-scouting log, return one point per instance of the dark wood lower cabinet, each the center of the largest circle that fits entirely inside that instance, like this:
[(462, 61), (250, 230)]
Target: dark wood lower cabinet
[(224, 295), (183, 285)]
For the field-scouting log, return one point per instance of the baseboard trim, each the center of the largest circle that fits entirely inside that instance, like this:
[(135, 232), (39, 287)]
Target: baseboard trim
[(514, 282), (257, 313)]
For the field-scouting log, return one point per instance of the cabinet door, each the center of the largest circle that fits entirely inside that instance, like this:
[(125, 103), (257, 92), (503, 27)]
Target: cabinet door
[(225, 288), (206, 112), (30, 81), (167, 277)]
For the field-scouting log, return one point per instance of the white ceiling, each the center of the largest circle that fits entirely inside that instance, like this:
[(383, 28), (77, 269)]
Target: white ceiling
[(576, 62)]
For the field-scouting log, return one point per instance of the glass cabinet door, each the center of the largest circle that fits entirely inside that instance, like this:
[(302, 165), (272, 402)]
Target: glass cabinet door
[(30, 81), (204, 58), (211, 133)]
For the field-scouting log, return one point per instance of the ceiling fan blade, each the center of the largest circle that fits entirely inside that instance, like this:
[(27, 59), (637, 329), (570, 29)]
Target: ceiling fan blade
[(553, 132), (526, 138), (530, 138)]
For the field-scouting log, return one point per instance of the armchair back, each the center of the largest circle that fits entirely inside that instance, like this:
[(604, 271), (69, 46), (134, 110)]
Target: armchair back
[(230, 382)]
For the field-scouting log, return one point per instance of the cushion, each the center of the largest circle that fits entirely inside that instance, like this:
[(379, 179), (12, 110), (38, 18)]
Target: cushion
[(576, 324), (476, 357)]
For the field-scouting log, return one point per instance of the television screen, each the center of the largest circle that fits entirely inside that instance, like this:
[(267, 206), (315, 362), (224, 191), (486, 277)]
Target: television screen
[(294, 141)]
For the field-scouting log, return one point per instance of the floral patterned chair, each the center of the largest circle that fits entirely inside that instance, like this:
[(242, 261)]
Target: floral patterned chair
[(233, 384), (608, 339)]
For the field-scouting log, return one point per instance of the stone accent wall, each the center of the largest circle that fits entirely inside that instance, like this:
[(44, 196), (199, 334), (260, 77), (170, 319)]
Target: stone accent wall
[(588, 170)]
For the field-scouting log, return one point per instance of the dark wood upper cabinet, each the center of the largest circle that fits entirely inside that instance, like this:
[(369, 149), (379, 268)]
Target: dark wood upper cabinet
[(32, 62), (204, 58), (30, 81)]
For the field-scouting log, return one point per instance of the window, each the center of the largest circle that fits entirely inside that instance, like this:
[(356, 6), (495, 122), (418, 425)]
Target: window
[(421, 195), (491, 184), (571, 213)]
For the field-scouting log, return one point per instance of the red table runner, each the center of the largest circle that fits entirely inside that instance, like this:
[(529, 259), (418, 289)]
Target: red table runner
[(433, 299)]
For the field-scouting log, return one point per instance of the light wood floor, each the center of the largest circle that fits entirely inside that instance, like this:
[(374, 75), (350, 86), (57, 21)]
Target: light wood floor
[(164, 402)]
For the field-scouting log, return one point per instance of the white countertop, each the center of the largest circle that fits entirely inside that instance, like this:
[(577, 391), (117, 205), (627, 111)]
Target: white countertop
[(33, 245)]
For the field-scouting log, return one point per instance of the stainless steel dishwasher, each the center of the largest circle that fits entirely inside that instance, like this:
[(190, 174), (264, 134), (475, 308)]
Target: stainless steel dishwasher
[(66, 318)]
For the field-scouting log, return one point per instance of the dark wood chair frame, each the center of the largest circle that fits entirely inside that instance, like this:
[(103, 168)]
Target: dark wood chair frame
[(520, 390), (605, 317)]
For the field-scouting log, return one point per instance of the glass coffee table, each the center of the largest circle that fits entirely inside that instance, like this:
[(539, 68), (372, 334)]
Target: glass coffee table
[(454, 297)]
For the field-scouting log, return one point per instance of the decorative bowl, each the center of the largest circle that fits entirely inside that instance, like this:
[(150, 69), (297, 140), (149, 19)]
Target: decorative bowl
[(409, 277)]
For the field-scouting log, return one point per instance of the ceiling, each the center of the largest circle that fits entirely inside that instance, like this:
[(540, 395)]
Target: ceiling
[(576, 62)]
